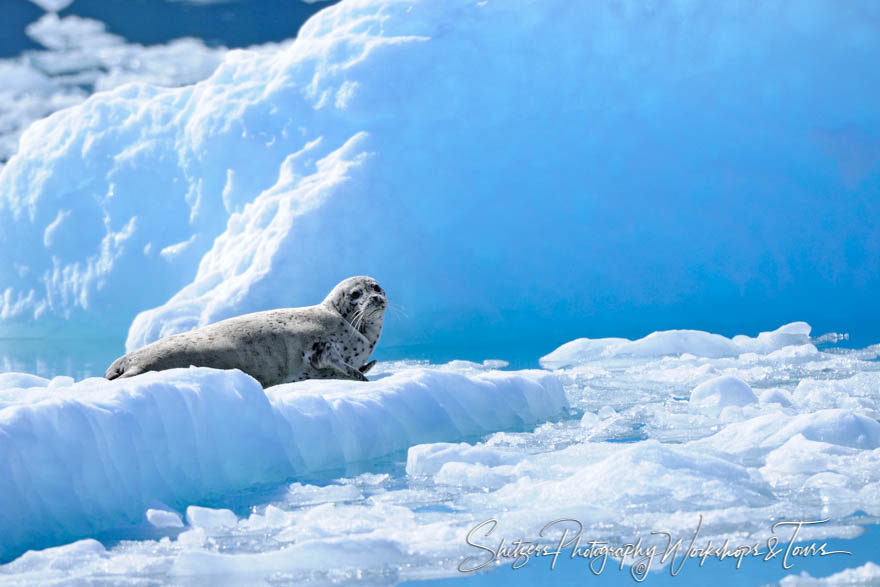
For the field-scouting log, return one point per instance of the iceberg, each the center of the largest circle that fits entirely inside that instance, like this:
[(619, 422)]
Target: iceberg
[(496, 177), (81, 458)]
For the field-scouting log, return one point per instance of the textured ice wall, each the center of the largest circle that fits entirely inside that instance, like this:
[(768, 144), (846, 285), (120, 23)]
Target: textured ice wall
[(503, 168), (80, 458)]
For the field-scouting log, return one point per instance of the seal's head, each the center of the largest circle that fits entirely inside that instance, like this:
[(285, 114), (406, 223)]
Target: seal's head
[(362, 303)]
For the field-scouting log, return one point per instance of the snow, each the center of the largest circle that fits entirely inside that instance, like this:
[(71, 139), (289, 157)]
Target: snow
[(95, 455), (659, 142)]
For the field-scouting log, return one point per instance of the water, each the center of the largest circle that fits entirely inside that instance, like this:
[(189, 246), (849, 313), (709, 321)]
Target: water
[(231, 24), (149, 22), (47, 357)]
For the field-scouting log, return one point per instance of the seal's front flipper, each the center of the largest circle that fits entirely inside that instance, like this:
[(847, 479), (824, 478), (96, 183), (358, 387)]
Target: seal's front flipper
[(329, 357), (368, 366)]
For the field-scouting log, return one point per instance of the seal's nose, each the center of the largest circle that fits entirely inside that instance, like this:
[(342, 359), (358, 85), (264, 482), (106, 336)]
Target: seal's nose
[(377, 299)]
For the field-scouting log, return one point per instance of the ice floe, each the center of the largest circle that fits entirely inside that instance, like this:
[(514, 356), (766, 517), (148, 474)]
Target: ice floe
[(84, 457), (632, 458)]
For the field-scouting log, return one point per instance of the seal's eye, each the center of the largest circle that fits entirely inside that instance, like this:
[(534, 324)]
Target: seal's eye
[(356, 294), (377, 288)]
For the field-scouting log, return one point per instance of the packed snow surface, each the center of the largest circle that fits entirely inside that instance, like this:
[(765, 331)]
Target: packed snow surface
[(501, 167), (797, 438), (80, 458)]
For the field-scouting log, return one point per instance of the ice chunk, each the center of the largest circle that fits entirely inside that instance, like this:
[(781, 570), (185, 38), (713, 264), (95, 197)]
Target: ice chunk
[(855, 393), (164, 518), (427, 459), (60, 559), (676, 342), (682, 342), (210, 518), (794, 334), (581, 350), (477, 475), (769, 431), (711, 397), (799, 456), (776, 396)]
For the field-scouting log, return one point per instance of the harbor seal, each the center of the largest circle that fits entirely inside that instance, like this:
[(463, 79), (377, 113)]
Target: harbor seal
[(332, 340)]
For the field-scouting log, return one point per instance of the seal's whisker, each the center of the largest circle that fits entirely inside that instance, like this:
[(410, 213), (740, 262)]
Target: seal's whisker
[(399, 309), (360, 321)]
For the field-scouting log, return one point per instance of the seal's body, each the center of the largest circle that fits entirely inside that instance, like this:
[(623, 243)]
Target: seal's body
[(332, 340)]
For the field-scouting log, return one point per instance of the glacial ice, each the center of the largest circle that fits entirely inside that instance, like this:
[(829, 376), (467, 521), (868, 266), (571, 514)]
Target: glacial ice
[(86, 457), (800, 451), (487, 171)]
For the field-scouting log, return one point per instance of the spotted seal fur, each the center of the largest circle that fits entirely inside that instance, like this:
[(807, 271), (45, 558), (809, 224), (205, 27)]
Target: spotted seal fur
[(332, 340)]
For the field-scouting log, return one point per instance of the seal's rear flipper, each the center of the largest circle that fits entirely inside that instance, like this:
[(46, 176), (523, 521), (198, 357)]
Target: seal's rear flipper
[(368, 366), (119, 368)]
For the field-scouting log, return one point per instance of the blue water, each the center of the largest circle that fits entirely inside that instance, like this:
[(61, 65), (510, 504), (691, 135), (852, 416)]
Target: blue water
[(236, 23), (232, 24), (17, 14)]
